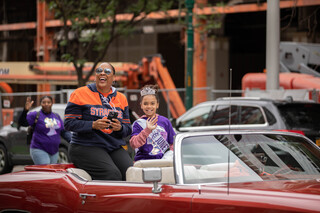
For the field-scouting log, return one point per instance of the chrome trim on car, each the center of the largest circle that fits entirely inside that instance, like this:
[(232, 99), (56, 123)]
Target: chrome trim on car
[(222, 127)]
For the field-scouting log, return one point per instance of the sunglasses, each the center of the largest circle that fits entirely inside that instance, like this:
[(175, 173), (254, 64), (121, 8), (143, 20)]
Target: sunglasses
[(106, 71)]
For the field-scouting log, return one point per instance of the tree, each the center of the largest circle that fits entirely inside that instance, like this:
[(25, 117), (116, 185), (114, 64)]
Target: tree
[(90, 26)]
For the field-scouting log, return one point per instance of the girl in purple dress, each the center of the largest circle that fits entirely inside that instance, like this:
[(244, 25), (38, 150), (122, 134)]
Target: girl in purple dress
[(152, 134)]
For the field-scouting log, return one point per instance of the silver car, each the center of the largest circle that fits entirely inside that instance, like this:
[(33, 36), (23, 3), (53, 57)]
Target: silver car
[(253, 113)]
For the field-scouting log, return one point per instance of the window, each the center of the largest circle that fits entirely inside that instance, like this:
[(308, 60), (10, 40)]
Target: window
[(251, 115), (221, 115), (247, 157), (196, 117), (270, 117), (206, 160), (301, 116)]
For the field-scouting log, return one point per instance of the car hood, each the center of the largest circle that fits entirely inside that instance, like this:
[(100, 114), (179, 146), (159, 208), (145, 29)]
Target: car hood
[(5, 130), (285, 196)]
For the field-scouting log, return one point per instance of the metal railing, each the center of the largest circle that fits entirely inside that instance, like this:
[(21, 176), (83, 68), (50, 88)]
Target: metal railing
[(17, 100)]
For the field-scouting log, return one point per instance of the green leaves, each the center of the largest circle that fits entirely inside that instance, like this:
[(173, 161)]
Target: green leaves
[(67, 57), (63, 43), (81, 62), (94, 26)]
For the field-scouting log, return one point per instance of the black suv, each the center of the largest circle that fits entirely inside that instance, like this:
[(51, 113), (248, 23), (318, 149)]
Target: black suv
[(13, 144), (253, 113)]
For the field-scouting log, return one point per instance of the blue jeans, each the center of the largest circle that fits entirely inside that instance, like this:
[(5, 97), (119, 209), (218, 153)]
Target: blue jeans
[(41, 157)]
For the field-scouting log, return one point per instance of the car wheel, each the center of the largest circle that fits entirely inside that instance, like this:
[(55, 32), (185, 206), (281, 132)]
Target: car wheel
[(63, 155), (5, 166)]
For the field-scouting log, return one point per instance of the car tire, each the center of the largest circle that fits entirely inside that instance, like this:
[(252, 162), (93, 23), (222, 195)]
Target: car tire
[(63, 155), (5, 166)]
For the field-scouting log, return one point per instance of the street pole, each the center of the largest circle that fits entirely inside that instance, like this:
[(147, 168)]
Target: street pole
[(189, 73), (273, 45), (1, 117)]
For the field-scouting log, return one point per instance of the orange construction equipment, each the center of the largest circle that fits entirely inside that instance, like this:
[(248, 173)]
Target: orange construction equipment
[(162, 77), (128, 75), (7, 114), (286, 81), (151, 70), (5, 88), (296, 73)]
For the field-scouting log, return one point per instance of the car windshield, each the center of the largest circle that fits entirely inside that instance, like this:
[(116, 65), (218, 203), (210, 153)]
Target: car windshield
[(248, 157), (301, 116)]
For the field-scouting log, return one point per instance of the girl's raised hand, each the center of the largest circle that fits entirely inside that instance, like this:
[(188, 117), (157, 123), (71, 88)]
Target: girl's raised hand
[(152, 122)]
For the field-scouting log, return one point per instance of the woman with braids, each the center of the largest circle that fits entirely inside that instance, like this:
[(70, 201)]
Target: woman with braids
[(152, 134)]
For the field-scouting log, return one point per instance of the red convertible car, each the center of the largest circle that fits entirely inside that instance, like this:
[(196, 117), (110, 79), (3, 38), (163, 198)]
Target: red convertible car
[(231, 171)]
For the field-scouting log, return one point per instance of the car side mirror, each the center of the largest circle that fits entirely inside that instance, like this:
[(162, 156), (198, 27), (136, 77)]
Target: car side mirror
[(152, 175), (173, 122), (177, 126)]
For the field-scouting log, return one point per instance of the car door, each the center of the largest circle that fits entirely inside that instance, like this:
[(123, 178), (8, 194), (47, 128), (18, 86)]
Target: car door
[(241, 117), (118, 196), (17, 144)]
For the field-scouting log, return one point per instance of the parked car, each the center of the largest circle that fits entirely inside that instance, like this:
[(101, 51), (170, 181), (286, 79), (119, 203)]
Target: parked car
[(217, 171), (253, 113), (13, 146)]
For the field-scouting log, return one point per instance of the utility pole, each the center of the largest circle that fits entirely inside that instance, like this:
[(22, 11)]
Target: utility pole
[(190, 49), (199, 53), (273, 45)]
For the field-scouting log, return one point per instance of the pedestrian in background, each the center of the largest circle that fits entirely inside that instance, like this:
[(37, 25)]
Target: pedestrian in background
[(48, 126), (152, 134), (97, 141)]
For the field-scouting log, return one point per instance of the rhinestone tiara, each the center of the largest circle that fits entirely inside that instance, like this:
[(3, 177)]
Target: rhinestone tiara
[(148, 91)]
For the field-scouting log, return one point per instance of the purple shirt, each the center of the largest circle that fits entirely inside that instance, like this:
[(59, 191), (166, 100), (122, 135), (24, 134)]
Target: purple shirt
[(158, 141), (46, 135)]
